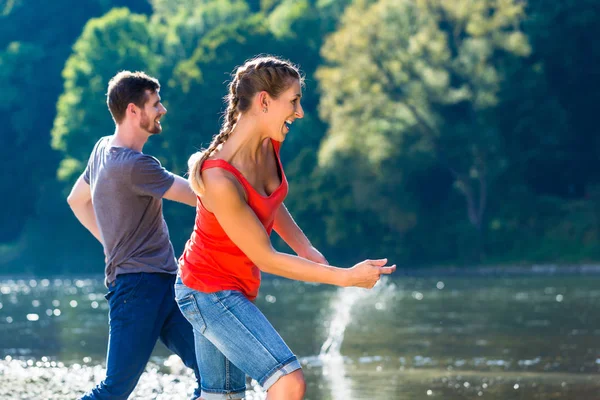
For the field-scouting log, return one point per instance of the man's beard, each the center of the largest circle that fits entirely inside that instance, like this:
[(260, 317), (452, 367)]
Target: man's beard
[(150, 126)]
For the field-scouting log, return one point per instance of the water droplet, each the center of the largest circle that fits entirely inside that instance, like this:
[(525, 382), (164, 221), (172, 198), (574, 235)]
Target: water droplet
[(9, 320), (45, 282), (379, 368), (417, 295), (33, 283), (35, 303), (49, 312), (440, 285), (430, 392), (479, 393), (55, 303), (522, 296), (73, 303), (270, 298), (94, 304), (516, 386), (484, 386), (87, 359), (32, 317), (467, 385), (559, 297), (56, 312), (379, 306), (5, 289), (1, 306)]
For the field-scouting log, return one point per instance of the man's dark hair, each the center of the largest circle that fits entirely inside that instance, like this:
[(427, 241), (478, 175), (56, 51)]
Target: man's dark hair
[(128, 87)]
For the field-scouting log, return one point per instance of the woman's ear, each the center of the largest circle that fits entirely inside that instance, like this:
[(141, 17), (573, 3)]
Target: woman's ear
[(264, 99)]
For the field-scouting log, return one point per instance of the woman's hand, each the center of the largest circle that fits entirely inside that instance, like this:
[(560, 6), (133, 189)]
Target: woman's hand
[(367, 273)]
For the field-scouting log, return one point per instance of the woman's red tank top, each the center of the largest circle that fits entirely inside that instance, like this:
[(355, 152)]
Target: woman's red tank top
[(211, 262)]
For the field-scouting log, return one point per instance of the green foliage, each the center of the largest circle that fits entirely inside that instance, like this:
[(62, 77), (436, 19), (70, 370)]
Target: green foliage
[(182, 24), (426, 102), (282, 16), (433, 110), (23, 158)]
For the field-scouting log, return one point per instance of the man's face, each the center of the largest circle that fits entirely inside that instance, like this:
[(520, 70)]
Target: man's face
[(152, 113)]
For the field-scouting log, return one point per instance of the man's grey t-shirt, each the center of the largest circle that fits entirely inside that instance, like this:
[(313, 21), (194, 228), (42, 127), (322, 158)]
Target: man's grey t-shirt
[(127, 188)]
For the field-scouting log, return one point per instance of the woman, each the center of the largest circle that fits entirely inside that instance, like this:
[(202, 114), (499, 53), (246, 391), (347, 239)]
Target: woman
[(241, 186)]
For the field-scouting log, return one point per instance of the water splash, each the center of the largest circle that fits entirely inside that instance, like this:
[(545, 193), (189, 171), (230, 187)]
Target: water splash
[(334, 369), (342, 305)]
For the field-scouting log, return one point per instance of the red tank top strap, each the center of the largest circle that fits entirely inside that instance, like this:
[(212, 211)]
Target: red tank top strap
[(208, 164), (218, 163)]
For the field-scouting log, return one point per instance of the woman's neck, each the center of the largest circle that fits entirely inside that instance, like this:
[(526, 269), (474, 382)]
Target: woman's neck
[(245, 144)]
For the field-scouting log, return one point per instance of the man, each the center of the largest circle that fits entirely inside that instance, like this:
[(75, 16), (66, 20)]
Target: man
[(118, 198)]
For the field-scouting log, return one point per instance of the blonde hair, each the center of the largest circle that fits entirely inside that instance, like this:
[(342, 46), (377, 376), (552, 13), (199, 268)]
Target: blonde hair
[(268, 73)]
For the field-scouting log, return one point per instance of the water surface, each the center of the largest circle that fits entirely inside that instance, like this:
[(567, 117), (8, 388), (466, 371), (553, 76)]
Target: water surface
[(450, 337)]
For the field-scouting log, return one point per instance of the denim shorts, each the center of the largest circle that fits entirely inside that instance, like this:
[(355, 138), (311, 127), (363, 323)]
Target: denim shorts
[(233, 339)]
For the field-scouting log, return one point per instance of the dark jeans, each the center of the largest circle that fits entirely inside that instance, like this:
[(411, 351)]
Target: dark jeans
[(142, 309)]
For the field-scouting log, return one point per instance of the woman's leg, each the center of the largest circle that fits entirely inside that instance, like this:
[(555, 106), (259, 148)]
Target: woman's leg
[(288, 387), (240, 331), (220, 379)]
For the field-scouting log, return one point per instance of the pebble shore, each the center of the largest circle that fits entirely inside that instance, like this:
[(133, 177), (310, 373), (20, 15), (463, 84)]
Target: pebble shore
[(28, 380)]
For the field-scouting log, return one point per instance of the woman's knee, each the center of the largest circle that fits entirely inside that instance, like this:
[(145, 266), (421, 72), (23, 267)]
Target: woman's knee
[(299, 383), (290, 386)]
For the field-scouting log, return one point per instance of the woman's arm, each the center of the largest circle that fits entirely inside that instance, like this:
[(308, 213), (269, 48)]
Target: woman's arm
[(225, 198), (291, 233)]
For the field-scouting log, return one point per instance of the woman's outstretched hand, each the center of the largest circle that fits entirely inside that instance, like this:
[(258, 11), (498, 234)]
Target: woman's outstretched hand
[(366, 274)]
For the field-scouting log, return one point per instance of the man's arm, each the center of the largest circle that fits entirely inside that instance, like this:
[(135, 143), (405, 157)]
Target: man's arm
[(181, 191), (80, 200)]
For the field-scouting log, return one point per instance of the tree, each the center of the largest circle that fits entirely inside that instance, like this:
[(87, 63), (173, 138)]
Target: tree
[(418, 80)]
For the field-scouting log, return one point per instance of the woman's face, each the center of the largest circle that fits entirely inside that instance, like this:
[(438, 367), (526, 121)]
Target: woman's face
[(283, 111)]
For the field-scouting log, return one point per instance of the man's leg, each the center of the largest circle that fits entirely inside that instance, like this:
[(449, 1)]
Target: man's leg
[(177, 334), (133, 333)]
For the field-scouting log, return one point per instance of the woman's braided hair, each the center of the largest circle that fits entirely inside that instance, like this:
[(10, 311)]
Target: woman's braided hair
[(270, 74)]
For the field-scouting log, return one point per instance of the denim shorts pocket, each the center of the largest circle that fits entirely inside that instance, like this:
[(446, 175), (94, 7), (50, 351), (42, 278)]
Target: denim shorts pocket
[(189, 309)]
